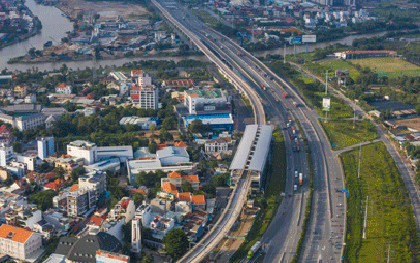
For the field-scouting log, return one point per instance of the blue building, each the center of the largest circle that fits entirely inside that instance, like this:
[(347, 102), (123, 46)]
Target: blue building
[(220, 122), (45, 147)]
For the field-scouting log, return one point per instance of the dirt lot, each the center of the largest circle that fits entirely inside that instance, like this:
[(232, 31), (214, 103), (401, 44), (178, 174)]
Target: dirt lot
[(106, 10), (410, 123)]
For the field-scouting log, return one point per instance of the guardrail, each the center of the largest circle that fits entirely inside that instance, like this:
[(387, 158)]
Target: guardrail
[(229, 215)]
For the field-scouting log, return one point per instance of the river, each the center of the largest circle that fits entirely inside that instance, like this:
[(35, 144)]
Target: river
[(54, 26)]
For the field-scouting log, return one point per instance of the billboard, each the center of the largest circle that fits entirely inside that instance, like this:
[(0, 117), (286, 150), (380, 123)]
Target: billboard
[(295, 40), (308, 38), (341, 73), (326, 104)]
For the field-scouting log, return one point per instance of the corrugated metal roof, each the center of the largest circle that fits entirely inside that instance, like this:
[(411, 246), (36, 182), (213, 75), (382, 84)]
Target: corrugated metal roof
[(244, 147), (261, 150), (259, 155)]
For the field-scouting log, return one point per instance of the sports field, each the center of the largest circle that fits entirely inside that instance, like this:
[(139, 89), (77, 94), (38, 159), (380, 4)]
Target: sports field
[(392, 67), (338, 64)]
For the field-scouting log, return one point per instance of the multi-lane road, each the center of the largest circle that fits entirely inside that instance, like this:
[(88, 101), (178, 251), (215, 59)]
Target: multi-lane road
[(324, 240)]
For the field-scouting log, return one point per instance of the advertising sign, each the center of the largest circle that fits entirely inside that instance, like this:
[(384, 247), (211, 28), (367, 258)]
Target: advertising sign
[(308, 38), (341, 73), (295, 40), (326, 104)]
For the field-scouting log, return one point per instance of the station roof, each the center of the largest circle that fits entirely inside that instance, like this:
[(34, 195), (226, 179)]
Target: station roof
[(253, 149)]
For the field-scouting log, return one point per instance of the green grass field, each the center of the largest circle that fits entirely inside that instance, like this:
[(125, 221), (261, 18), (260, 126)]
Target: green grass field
[(205, 17), (338, 64), (390, 217), (393, 67), (339, 110), (341, 132)]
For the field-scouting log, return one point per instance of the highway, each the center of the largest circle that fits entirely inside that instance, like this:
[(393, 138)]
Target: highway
[(324, 239)]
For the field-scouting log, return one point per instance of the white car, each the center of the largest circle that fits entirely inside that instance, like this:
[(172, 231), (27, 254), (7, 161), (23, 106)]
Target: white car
[(295, 187), (296, 174), (295, 139)]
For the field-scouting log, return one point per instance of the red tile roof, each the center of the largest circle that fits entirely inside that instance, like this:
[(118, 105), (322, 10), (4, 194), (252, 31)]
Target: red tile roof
[(97, 221), (174, 175), (198, 200), (180, 144), (17, 234), (184, 196), (125, 203), (168, 187), (5, 129), (192, 178), (135, 96), (133, 191), (179, 83), (74, 188)]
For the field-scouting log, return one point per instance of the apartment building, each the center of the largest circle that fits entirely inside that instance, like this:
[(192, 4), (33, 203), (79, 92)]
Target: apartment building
[(5, 134), (25, 122), (148, 97), (6, 154), (125, 208), (95, 181), (80, 201), (45, 147), (18, 242)]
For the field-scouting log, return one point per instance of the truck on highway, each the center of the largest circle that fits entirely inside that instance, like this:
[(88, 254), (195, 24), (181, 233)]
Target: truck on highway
[(300, 179), (291, 137), (285, 95), (295, 104), (262, 86), (239, 54), (254, 249), (289, 119)]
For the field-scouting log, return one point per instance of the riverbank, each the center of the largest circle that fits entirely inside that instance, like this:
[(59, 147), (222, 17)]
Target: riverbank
[(106, 57), (34, 32)]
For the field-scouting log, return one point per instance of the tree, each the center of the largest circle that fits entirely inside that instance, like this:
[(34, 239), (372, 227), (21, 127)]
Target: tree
[(209, 189), (186, 187), (138, 198), (176, 243), (60, 170), (169, 123), (152, 128), (76, 173), (196, 126), (148, 259), (43, 199), (220, 179), (17, 147), (153, 147)]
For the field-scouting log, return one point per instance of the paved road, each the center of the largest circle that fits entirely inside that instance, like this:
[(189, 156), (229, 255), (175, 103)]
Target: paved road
[(406, 173)]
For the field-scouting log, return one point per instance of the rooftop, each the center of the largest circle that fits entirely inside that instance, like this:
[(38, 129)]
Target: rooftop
[(207, 93), (14, 233)]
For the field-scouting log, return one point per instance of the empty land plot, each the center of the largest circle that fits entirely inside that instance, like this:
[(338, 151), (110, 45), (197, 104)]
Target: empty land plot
[(390, 217), (341, 132), (410, 123), (393, 67)]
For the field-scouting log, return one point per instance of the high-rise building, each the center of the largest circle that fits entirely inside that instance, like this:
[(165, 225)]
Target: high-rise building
[(83, 149), (6, 154), (136, 235), (45, 147), (148, 97)]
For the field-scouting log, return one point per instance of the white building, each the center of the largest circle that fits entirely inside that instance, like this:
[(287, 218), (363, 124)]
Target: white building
[(217, 145), (93, 180), (144, 212), (18, 242), (92, 154), (136, 235), (172, 155), (125, 208), (30, 99), (148, 97), (142, 79), (64, 89), (83, 149), (144, 123), (25, 122), (206, 101), (45, 147), (29, 160), (6, 154)]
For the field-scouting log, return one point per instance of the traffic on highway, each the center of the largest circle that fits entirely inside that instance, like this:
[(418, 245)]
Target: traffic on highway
[(275, 99)]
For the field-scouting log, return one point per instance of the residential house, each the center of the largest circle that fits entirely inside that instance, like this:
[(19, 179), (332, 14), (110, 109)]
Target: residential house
[(199, 201), (64, 89), (20, 91), (218, 145), (177, 180), (125, 208), (5, 134), (18, 242)]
